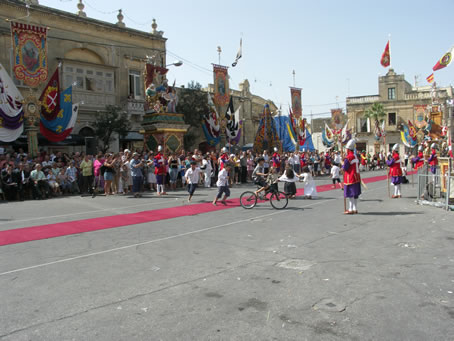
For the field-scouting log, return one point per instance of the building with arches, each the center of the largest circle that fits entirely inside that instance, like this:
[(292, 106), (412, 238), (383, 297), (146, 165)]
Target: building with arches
[(103, 61)]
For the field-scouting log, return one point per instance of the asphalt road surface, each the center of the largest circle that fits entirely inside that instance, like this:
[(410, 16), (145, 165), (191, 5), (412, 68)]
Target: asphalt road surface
[(304, 273)]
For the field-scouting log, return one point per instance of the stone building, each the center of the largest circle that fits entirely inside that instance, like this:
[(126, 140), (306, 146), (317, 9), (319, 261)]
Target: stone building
[(399, 99), (105, 61)]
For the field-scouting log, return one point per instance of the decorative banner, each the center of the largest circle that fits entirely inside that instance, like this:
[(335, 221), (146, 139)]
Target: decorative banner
[(444, 61), (11, 108), (50, 98), (59, 124), (221, 85), (210, 124), (30, 53), (430, 78), (57, 137), (337, 118), (385, 60), (295, 94), (267, 136), (420, 115), (233, 126)]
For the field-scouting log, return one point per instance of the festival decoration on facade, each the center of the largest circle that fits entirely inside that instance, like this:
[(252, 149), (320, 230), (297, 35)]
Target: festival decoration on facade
[(221, 85), (11, 108), (50, 98), (234, 124), (295, 95), (60, 128), (267, 136), (29, 53), (210, 124)]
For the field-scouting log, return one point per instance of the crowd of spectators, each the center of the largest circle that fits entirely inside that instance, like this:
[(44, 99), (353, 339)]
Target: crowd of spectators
[(57, 174)]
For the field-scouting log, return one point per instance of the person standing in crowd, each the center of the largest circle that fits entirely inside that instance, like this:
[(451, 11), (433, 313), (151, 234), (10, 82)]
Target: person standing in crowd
[(125, 173), (433, 159), (276, 160), (363, 161), (237, 167), (250, 166), (395, 170), (207, 170), (99, 179), (174, 166), (243, 167), (192, 178), (335, 176), (223, 184), (136, 166), (418, 161), (266, 164), (406, 157), (352, 179), (108, 168), (72, 174), (223, 159), (160, 164), (87, 173)]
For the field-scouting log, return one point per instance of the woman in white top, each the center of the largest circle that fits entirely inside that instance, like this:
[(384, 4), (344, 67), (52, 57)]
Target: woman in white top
[(309, 183), (289, 178)]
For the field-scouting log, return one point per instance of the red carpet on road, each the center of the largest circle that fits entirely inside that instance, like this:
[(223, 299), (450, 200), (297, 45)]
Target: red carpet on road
[(27, 234)]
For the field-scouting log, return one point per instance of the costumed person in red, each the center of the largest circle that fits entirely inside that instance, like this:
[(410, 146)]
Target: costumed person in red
[(418, 161), (395, 170), (160, 170), (433, 160), (276, 158), (352, 179), (363, 160), (223, 159)]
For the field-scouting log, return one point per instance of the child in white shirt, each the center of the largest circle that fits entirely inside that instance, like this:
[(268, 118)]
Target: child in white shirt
[(223, 184), (335, 175), (192, 178)]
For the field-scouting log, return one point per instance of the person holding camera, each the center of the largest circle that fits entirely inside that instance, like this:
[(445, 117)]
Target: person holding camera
[(136, 174)]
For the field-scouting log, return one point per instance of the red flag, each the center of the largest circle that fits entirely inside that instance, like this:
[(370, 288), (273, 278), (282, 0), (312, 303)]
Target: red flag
[(444, 61), (430, 78), (50, 98), (386, 57)]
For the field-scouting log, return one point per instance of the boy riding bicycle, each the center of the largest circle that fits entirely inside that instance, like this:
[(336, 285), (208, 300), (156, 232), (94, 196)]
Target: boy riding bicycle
[(258, 175)]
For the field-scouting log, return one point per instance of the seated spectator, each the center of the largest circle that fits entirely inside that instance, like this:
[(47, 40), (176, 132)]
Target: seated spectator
[(63, 182), (9, 182), (53, 184), (72, 174), (40, 186)]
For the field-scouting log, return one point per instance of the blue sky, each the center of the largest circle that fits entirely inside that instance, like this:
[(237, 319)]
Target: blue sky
[(334, 46)]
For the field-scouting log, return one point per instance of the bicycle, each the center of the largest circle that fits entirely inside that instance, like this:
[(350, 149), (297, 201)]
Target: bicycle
[(278, 199)]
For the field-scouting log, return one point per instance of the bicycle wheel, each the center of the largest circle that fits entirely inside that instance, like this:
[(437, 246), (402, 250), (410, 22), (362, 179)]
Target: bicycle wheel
[(248, 199), (279, 200)]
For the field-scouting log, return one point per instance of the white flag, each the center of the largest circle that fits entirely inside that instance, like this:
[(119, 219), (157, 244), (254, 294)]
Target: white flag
[(239, 53)]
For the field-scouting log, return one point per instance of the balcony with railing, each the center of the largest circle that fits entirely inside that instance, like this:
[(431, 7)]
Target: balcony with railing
[(135, 106), (363, 99), (93, 100)]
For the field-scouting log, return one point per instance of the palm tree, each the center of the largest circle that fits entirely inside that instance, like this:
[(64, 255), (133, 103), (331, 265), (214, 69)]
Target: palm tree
[(375, 114)]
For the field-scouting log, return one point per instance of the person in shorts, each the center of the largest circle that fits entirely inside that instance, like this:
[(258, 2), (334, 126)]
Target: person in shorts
[(223, 184), (192, 176), (258, 175)]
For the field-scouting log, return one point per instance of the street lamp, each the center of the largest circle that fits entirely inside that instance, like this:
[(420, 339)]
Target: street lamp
[(175, 63)]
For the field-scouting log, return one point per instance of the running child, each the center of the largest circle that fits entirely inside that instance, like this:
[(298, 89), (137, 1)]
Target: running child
[(335, 175), (192, 176), (223, 184)]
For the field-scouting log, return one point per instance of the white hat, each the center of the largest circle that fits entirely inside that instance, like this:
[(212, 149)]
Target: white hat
[(232, 155), (351, 144), (126, 151), (275, 149), (159, 148), (421, 148), (224, 149), (433, 146), (396, 147)]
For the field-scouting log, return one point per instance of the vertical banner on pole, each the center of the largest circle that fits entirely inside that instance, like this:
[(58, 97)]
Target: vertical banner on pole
[(221, 85), (29, 53), (297, 109)]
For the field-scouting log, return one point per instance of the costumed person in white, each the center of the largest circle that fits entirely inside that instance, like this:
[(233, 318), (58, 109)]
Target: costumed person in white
[(207, 170), (309, 183)]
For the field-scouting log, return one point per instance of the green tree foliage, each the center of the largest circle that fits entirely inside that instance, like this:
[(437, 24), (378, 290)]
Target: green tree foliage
[(193, 104), (375, 113), (113, 120)]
